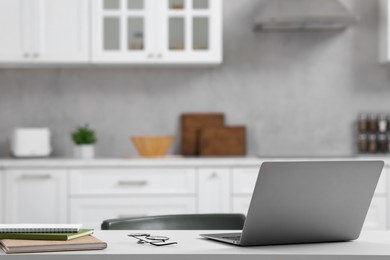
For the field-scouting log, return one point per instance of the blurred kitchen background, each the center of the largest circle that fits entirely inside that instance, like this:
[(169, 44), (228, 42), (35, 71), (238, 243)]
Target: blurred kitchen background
[(298, 93)]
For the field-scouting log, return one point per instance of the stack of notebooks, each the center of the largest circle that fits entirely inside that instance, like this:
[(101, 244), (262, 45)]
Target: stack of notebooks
[(17, 238)]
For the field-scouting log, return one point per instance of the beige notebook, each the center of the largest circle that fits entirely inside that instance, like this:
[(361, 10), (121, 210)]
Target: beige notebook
[(12, 246)]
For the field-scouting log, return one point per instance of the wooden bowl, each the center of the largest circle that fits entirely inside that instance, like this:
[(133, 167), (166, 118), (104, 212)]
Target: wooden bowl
[(153, 146)]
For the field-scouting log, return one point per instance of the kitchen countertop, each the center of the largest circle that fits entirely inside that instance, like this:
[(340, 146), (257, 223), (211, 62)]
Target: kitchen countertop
[(168, 161), (370, 245)]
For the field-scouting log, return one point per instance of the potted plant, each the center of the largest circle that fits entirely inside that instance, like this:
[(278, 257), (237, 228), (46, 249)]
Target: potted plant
[(84, 139)]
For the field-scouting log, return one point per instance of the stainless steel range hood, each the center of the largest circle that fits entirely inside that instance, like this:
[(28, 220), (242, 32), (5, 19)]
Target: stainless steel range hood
[(303, 15)]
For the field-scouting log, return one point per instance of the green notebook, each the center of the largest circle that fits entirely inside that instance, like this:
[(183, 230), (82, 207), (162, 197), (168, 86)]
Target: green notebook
[(46, 236)]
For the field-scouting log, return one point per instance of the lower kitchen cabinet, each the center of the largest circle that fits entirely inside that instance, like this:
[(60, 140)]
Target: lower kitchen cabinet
[(136, 181), (92, 211), (103, 193), (377, 215), (36, 196), (240, 204), (91, 194), (213, 190)]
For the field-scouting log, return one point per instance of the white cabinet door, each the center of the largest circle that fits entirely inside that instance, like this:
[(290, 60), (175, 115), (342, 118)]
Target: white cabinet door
[(44, 31), (244, 180), (190, 31), (240, 204), (157, 32), (92, 211), (36, 196), (61, 31), (15, 30), (376, 216), (123, 31), (214, 190)]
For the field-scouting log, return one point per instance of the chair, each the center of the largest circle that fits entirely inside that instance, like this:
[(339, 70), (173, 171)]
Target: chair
[(178, 222)]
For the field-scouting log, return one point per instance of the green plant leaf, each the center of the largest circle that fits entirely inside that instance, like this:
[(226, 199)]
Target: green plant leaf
[(84, 135)]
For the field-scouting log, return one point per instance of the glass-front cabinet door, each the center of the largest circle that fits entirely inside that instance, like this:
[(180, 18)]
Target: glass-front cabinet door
[(191, 31), (122, 30), (157, 31)]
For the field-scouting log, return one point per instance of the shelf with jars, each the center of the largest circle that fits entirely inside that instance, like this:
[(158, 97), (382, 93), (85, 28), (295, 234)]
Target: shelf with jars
[(373, 133)]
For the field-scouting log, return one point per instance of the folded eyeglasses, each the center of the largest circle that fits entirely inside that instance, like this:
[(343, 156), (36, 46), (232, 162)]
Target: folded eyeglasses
[(153, 240)]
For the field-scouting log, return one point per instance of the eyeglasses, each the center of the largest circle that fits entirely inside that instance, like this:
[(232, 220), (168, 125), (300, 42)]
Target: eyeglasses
[(153, 240)]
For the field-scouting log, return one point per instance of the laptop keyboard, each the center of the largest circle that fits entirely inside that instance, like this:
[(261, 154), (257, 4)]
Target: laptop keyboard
[(233, 237)]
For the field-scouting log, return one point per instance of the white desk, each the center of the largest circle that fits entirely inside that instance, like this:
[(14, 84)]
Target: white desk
[(370, 245)]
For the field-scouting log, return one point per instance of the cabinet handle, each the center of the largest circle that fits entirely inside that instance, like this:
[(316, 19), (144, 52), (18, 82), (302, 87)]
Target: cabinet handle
[(159, 55), (36, 55), (150, 55), (26, 55), (132, 183), (213, 175), (35, 177)]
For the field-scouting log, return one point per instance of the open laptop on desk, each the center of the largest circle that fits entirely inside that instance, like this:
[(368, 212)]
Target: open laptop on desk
[(307, 202)]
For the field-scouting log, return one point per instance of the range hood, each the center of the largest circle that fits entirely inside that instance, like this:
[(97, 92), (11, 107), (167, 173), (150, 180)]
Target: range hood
[(303, 15)]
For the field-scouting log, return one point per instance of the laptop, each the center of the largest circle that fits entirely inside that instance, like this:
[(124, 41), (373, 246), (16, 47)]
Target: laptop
[(307, 202)]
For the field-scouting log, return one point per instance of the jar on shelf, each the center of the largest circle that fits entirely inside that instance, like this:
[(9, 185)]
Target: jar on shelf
[(382, 123), (372, 143), (388, 123), (388, 142), (362, 123), (372, 123), (382, 143), (363, 143)]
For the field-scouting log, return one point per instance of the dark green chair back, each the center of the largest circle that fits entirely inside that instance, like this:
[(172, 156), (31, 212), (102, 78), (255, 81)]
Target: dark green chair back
[(178, 222)]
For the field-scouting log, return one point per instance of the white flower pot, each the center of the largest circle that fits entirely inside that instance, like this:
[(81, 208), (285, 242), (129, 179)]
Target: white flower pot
[(85, 151)]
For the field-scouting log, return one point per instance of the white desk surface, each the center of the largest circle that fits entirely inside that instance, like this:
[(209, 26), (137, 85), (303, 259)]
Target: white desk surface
[(370, 245)]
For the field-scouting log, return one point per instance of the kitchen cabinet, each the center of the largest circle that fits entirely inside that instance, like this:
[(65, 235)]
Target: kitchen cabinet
[(90, 191), (157, 32), (213, 190), (98, 194), (378, 211), (243, 184), (15, 30), (91, 211), (44, 31), (36, 196), (376, 216)]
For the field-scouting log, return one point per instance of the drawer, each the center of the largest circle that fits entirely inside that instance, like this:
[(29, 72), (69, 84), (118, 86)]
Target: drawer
[(92, 211), (244, 180), (132, 181)]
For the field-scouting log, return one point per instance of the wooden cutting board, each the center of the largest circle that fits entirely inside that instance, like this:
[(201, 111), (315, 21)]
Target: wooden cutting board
[(190, 126), (222, 141)]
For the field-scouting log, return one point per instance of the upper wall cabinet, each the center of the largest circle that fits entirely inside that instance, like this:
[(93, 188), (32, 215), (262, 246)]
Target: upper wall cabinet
[(385, 31), (157, 32), (44, 31)]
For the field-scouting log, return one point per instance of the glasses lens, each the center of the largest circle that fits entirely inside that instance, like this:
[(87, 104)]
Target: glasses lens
[(138, 235), (159, 243), (162, 238)]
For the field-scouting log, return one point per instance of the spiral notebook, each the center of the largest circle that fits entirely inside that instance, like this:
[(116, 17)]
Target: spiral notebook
[(39, 228)]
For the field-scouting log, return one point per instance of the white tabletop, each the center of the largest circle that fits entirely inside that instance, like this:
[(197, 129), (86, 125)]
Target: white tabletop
[(370, 245)]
